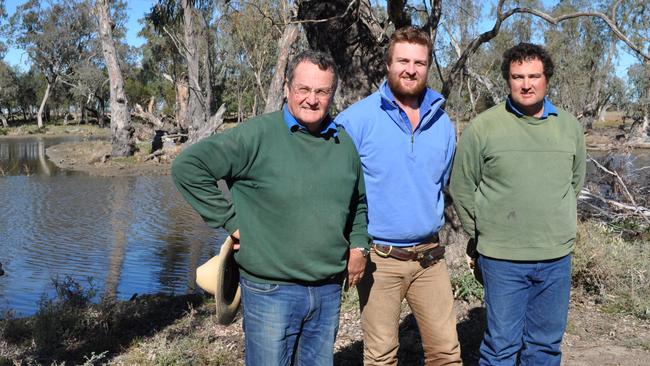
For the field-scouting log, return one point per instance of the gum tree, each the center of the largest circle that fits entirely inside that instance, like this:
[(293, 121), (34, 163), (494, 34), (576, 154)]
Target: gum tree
[(56, 36), (121, 129)]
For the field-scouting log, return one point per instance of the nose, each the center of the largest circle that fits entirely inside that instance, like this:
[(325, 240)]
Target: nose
[(526, 83), (410, 68), (311, 98)]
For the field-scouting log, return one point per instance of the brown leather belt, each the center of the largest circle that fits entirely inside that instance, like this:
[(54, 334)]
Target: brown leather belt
[(426, 253)]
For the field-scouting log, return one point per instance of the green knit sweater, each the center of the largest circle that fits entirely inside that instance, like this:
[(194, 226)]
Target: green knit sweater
[(515, 181), (298, 200)]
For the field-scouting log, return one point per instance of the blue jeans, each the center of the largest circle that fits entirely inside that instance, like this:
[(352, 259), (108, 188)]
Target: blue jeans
[(527, 305), (290, 324)]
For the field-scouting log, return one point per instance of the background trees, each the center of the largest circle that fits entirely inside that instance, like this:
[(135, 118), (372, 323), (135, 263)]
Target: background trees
[(56, 38), (199, 55)]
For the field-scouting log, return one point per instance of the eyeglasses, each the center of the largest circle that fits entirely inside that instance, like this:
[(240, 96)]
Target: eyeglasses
[(303, 91)]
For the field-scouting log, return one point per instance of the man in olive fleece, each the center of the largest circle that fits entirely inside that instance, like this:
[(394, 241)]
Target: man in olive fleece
[(515, 180), (298, 209)]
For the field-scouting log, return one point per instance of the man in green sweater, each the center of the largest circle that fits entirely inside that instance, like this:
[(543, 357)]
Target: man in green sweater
[(515, 180), (298, 209)]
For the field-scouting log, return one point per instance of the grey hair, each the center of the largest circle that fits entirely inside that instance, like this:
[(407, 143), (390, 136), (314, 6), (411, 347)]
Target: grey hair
[(323, 60)]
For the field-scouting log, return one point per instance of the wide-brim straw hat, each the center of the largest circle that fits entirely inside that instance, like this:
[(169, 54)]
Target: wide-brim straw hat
[(219, 276)]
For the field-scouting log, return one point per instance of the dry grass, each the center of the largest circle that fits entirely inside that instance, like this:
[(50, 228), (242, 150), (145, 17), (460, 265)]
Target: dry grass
[(194, 339), (56, 130), (614, 270)]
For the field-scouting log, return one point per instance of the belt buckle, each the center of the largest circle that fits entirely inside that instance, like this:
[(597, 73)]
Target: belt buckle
[(426, 259), (382, 254)]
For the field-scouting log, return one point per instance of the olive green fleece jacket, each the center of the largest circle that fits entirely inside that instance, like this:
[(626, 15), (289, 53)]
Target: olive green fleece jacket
[(298, 200), (515, 180)]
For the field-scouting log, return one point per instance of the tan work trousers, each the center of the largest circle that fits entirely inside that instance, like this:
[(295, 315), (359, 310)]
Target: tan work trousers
[(428, 291)]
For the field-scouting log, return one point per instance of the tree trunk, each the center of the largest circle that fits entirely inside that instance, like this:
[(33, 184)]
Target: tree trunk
[(275, 94), (182, 101), (121, 129), (640, 130), (355, 41), (196, 108), (46, 96)]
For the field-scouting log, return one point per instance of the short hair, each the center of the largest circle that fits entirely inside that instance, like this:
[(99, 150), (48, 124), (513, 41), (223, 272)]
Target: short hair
[(526, 52), (321, 59), (409, 34)]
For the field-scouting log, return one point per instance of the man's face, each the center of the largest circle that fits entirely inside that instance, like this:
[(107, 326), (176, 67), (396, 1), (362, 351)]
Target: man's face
[(528, 86), (408, 69), (310, 94)]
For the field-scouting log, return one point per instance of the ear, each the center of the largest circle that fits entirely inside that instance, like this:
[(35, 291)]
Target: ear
[(286, 89)]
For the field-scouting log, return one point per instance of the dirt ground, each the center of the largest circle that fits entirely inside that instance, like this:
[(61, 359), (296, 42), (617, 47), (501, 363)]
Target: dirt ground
[(596, 338), (593, 337)]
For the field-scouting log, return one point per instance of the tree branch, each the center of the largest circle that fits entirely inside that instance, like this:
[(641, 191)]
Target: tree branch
[(610, 23), (501, 16), (348, 10)]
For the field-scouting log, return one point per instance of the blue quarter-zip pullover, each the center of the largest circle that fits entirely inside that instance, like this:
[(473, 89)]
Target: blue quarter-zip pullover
[(405, 169)]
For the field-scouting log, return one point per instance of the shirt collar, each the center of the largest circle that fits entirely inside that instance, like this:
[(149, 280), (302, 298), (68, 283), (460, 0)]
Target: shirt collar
[(549, 108), (427, 99), (329, 127)]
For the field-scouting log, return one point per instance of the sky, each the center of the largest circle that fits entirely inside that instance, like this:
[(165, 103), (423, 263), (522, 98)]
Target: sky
[(137, 9)]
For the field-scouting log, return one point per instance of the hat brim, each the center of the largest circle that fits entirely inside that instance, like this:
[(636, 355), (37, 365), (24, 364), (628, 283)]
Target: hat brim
[(219, 276)]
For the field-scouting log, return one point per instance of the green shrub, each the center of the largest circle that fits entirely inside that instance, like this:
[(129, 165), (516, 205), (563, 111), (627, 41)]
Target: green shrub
[(465, 286), (63, 318), (14, 330), (349, 300)]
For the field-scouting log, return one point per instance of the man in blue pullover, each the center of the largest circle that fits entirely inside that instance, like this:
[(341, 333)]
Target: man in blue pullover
[(406, 143)]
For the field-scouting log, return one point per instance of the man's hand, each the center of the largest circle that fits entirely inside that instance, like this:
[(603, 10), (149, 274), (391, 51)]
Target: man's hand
[(471, 256), (235, 238), (356, 266)]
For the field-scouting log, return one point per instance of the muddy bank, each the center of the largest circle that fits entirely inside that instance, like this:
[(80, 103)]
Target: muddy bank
[(93, 157)]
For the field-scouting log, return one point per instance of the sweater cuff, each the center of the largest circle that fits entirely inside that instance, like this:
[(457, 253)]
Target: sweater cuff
[(231, 225), (359, 241)]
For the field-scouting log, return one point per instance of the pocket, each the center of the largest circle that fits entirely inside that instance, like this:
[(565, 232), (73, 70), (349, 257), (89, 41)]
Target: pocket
[(262, 288)]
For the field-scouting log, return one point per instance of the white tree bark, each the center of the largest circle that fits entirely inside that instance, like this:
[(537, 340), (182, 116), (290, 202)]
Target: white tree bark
[(196, 107), (121, 129), (41, 108), (275, 95)]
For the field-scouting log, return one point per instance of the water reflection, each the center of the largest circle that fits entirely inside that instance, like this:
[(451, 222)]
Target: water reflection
[(130, 234), (26, 156)]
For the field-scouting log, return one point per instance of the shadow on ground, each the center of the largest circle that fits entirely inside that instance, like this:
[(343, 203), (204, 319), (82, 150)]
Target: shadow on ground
[(66, 332), (470, 334)]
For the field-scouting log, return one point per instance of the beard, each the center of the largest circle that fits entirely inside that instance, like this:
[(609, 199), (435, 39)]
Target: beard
[(402, 92)]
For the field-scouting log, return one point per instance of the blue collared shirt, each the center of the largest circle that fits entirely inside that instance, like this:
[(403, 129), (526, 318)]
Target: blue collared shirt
[(329, 127), (549, 108)]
